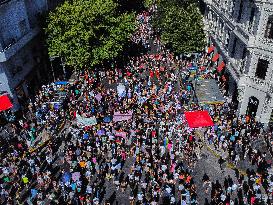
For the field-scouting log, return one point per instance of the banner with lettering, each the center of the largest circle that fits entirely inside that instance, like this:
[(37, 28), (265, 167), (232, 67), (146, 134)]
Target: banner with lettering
[(122, 116), (86, 121)]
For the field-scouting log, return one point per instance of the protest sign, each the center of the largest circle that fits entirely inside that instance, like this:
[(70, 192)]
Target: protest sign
[(122, 116), (121, 89), (86, 121)]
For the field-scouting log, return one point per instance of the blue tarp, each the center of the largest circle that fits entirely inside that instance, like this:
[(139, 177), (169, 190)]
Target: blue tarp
[(61, 82)]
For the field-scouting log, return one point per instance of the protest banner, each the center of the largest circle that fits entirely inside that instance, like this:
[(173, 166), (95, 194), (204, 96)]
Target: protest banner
[(118, 116), (86, 121), (121, 134)]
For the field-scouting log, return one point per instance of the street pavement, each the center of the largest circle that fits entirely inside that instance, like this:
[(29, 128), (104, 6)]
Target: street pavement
[(207, 163)]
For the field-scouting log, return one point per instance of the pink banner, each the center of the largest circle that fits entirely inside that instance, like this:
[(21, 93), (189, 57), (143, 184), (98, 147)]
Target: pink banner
[(121, 134), (122, 116)]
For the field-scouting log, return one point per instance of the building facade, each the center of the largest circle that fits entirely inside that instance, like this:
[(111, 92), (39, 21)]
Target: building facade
[(23, 58), (240, 34)]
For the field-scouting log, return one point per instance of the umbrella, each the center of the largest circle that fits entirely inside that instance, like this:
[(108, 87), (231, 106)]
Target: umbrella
[(107, 119), (6, 179), (33, 193), (56, 106), (66, 176), (76, 176), (98, 97), (25, 180), (193, 68), (101, 132), (86, 136)]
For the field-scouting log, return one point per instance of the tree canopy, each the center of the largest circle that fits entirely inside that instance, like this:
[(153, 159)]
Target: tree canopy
[(88, 32), (148, 3), (180, 25)]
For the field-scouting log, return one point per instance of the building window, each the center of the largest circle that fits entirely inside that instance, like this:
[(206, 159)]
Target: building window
[(221, 28), (227, 39), (269, 28), (240, 11), (242, 68), (25, 60), (234, 47), (252, 15), (15, 70), (261, 68), (23, 27), (231, 7)]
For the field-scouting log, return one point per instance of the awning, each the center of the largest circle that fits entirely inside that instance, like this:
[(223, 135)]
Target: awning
[(208, 92), (197, 119), (215, 57), (221, 66), (5, 103), (210, 49)]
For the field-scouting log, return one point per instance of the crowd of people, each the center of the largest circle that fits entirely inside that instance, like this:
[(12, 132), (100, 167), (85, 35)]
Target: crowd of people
[(124, 138), (233, 137)]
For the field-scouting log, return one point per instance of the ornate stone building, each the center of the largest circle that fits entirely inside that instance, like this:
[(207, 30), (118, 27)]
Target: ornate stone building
[(23, 58), (240, 34)]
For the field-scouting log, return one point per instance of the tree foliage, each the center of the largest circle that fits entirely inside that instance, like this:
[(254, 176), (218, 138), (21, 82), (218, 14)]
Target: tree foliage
[(88, 32), (180, 25), (130, 5), (148, 3)]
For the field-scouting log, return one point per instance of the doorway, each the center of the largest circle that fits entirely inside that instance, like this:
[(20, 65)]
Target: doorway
[(252, 107)]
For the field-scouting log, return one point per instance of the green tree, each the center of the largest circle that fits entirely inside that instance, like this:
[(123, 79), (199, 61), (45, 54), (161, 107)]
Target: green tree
[(88, 32), (180, 25), (148, 3), (130, 5)]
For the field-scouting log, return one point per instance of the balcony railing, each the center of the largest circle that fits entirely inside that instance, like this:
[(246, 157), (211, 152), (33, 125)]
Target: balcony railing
[(4, 1), (8, 44), (11, 49), (262, 84)]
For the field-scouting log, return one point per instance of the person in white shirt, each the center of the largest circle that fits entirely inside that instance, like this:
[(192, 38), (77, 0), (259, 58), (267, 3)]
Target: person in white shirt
[(140, 196)]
